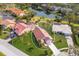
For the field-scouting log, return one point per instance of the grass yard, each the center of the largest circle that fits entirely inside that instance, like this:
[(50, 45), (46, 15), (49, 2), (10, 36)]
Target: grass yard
[(65, 22), (46, 26), (76, 31), (59, 40), (77, 39), (3, 35), (1, 54), (25, 44)]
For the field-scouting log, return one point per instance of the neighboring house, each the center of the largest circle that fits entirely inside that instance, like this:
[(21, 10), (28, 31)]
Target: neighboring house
[(19, 27), (62, 28), (8, 23), (41, 34), (5, 16), (16, 11)]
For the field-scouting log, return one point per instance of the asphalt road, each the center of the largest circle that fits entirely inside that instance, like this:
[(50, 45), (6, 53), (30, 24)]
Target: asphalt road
[(10, 50)]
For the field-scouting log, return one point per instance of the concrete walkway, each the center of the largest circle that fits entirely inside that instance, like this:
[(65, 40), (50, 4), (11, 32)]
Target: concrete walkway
[(70, 45), (64, 48), (55, 51), (69, 40)]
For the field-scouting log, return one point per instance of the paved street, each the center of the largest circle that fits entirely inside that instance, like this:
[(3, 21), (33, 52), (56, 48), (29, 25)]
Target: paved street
[(10, 50)]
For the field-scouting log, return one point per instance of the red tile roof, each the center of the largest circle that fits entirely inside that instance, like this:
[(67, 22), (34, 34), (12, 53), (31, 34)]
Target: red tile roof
[(40, 33), (16, 11), (20, 28)]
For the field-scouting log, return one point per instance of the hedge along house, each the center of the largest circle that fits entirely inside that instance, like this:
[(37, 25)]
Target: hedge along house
[(43, 37)]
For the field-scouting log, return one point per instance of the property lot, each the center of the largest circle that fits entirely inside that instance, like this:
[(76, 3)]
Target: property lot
[(26, 44)]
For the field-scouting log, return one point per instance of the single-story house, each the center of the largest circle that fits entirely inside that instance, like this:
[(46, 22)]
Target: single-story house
[(8, 23), (62, 28), (16, 11), (41, 34), (20, 28)]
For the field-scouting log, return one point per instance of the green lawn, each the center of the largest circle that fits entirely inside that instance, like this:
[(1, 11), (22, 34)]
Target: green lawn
[(25, 43), (77, 39), (3, 35), (76, 31), (46, 26), (60, 40), (1, 54), (75, 25), (77, 45)]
